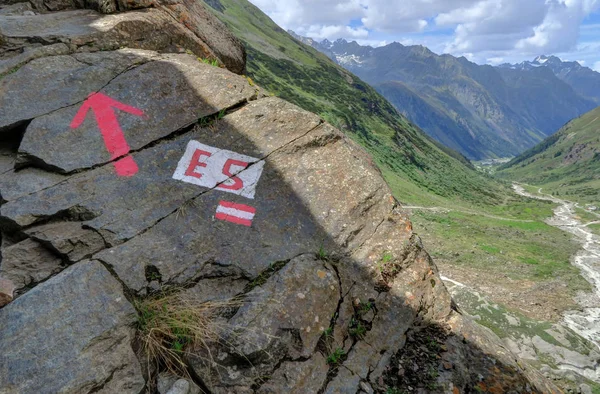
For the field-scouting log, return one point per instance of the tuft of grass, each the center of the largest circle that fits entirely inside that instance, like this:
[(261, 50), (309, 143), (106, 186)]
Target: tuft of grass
[(336, 357), (183, 209), (171, 324), (210, 62)]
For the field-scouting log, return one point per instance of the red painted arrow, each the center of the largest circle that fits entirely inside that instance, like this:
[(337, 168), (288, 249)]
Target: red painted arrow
[(114, 139)]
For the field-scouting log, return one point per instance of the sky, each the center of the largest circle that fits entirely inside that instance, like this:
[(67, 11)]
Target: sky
[(484, 31)]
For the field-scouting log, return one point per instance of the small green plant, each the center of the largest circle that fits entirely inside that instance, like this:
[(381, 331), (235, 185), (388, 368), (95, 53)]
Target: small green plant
[(221, 114), (385, 259), (357, 329), (210, 62), (433, 345), (322, 254), (328, 332), (432, 375), (366, 307), (250, 81), (205, 121), (336, 357)]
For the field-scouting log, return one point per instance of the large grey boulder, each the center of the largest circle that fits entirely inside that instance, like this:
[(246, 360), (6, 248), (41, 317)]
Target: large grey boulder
[(71, 334), (226, 193)]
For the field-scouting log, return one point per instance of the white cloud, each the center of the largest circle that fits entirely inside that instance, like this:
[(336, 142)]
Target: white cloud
[(597, 66), (485, 30), (561, 26), (320, 32)]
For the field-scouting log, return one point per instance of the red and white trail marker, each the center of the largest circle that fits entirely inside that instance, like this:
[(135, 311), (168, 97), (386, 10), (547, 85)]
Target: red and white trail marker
[(235, 213), (219, 169), (103, 108)]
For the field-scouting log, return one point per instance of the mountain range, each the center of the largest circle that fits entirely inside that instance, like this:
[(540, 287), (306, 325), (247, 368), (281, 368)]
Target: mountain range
[(479, 110)]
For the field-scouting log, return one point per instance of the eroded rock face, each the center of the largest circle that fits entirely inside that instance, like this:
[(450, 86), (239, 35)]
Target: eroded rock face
[(142, 170)]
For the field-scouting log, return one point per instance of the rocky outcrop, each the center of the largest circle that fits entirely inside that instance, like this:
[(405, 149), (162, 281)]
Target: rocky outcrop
[(142, 171)]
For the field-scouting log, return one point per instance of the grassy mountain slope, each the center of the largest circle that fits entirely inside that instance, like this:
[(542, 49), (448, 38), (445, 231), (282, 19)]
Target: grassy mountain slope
[(417, 167), (567, 163)]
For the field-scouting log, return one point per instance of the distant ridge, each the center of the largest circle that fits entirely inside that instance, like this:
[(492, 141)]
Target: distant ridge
[(481, 111)]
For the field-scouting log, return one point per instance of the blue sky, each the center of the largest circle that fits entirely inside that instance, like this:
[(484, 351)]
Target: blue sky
[(484, 31)]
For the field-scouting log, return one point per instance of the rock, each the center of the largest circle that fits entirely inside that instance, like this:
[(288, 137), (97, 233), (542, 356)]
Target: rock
[(217, 289), (7, 289), (148, 87), (344, 382), (27, 263), (86, 31), (70, 334), (585, 389), (366, 388), (157, 28), (51, 5), (61, 80), (273, 123), (210, 30), (171, 384), (15, 9), (283, 320), (69, 239), (14, 185), (297, 377), (181, 386)]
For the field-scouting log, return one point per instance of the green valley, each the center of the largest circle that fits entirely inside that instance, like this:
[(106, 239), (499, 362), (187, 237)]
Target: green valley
[(567, 164)]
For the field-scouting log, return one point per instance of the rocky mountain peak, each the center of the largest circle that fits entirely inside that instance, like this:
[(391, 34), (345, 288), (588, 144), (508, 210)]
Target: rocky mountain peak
[(151, 169)]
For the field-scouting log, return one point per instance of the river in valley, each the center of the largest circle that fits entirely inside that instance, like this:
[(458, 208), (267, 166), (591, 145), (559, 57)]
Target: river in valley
[(586, 321)]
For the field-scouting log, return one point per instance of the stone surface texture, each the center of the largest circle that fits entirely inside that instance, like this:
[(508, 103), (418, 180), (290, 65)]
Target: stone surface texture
[(70, 334), (332, 281)]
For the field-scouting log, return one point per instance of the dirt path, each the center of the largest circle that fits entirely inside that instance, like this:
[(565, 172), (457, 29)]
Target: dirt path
[(586, 322), (446, 210)]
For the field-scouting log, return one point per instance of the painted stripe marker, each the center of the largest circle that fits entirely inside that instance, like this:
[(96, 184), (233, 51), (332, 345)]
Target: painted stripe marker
[(235, 213)]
